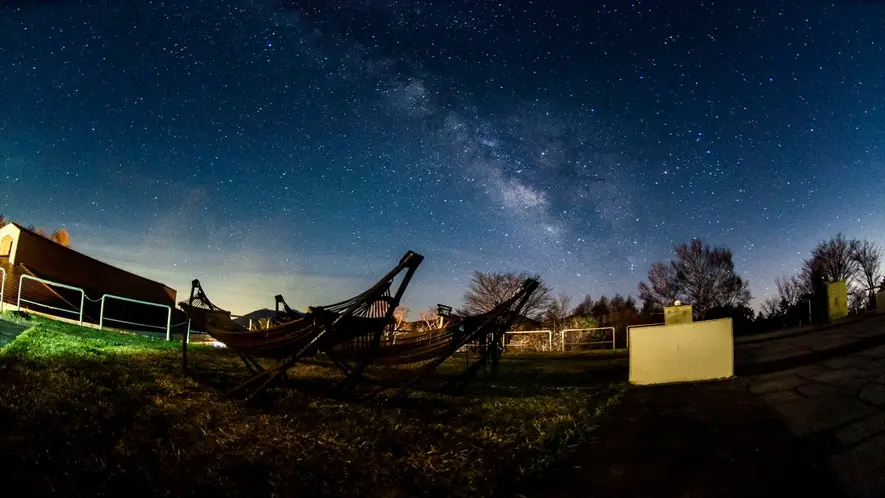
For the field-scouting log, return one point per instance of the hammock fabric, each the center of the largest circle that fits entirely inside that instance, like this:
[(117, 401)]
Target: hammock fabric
[(401, 361), (321, 328)]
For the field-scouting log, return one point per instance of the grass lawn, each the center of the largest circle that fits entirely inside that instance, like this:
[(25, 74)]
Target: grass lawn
[(89, 413)]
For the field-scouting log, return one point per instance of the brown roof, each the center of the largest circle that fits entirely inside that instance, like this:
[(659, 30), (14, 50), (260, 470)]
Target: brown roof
[(66, 248)]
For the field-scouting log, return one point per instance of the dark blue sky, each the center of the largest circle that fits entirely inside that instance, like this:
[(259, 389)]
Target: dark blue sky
[(301, 147)]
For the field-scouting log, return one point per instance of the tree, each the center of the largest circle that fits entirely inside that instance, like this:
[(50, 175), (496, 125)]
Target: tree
[(868, 258), (559, 310), (789, 291), (61, 236), (663, 288), (622, 311), (400, 317), (701, 275), (487, 290), (429, 318), (771, 307), (582, 322), (857, 302), (600, 310), (585, 307), (3, 221), (834, 259)]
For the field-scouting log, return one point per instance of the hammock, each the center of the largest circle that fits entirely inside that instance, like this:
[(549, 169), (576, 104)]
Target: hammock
[(400, 361), (286, 314), (321, 328)]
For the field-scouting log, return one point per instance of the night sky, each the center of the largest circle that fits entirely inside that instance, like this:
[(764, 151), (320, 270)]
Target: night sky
[(301, 147)]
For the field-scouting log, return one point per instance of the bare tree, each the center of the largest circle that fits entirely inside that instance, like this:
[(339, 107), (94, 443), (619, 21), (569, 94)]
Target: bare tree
[(400, 317), (771, 307), (701, 275), (429, 318), (559, 310), (868, 258), (833, 260), (789, 291), (663, 287), (487, 290), (857, 302)]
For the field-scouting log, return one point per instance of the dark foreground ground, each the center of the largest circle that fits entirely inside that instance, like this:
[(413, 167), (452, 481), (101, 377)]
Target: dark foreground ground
[(702, 440), (89, 414), (84, 413), (805, 417)]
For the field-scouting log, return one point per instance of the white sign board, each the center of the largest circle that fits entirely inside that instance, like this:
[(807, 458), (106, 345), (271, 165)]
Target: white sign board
[(683, 352)]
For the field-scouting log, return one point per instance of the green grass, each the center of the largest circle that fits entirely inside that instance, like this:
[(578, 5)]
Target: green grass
[(91, 413)]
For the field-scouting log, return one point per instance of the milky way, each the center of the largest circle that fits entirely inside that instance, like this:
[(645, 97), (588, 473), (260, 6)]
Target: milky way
[(301, 147)]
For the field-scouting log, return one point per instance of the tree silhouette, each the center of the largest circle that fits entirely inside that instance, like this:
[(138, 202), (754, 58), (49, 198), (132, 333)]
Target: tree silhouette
[(789, 291), (585, 307), (833, 259), (600, 310), (868, 258), (701, 275), (662, 289), (487, 290), (559, 310)]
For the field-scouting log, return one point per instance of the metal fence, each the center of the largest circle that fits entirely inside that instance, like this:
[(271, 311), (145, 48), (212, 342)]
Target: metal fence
[(586, 343), (168, 327), (102, 318), (79, 313), (2, 287), (548, 333)]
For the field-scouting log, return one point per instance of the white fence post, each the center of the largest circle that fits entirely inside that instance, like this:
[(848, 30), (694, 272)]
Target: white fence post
[(2, 287), (21, 280), (562, 336), (168, 326)]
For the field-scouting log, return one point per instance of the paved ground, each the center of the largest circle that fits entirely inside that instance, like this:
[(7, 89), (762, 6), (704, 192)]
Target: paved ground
[(804, 417), (9, 331), (833, 398)]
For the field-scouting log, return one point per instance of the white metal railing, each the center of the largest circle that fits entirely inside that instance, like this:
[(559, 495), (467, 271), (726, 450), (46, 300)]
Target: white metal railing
[(582, 343), (102, 319), (639, 327), (2, 287), (19, 302), (548, 332)]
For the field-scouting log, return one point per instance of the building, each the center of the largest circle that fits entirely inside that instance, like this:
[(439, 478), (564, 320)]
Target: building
[(23, 252)]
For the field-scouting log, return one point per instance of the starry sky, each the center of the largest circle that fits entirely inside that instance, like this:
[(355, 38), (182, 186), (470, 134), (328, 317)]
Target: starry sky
[(302, 147)]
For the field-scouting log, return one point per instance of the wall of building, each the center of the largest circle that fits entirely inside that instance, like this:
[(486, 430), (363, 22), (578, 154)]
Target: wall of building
[(682, 353), (55, 262)]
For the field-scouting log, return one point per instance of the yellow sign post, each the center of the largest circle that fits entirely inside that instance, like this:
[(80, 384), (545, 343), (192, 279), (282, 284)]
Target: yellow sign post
[(837, 300), (677, 314)]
